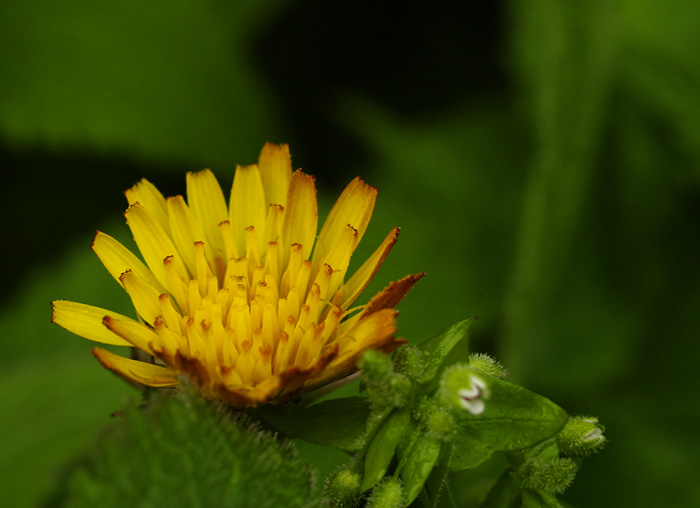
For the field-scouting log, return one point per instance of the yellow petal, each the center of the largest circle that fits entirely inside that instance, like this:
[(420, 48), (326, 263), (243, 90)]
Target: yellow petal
[(117, 259), (354, 207), (300, 220), (339, 259), (133, 370), (275, 165), (247, 206), (146, 300), (153, 242), (186, 230), (361, 278), (86, 321), (134, 333), (206, 200), (373, 332), (148, 196)]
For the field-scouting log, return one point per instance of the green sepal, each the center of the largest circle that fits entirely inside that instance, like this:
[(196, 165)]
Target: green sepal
[(381, 449), (436, 352), (514, 419), (340, 423), (419, 463)]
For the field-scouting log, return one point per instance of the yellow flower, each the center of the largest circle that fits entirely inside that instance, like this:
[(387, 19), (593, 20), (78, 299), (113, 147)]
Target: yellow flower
[(246, 301)]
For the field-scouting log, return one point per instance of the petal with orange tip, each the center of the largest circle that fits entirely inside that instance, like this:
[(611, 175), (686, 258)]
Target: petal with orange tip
[(208, 205), (300, 221), (148, 196), (86, 321), (275, 165), (373, 332), (117, 259), (185, 230), (153, 242), (134, 333), (353, 208), (367, 333), (133, 370), (362, 277), (390, 296), (145, 298), (247, 206)]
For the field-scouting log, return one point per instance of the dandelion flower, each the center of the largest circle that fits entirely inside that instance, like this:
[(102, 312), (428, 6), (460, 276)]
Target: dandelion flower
[(247, 301)]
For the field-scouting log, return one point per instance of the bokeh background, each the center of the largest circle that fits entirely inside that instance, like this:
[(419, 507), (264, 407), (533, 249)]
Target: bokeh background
[(542, 158)]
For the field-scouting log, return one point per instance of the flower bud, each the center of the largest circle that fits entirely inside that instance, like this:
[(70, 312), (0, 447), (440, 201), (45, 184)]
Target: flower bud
[(342, 489), (375, 366), (384, 386), (550, 475), (407, 360), (438, 420), (581, 436), (388, 494), (487, 364), (462, 388)]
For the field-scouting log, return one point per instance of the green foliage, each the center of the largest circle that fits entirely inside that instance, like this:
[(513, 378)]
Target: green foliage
[(514, 419), (340, 423), (438, 351), (434, 435), (418, 460), (383, 445), (180, 451), (162, 82)]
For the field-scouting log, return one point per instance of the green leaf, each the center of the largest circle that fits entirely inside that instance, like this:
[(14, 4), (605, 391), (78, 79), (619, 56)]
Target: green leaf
[(338, 422), (418, 465), (381, 449), (436, 351), (182, 451), (514, 419), (438, 476)]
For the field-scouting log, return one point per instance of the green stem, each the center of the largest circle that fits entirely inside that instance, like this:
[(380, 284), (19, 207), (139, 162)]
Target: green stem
[(450, 496)]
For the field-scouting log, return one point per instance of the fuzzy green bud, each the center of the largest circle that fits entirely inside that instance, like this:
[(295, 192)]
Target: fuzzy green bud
[(438, 420), (407, 360), (551, 475), (581, 436), (384, 386), (342, 489), (441, 424), (488, 365), (375, 366), (463, 388), (388, 494)]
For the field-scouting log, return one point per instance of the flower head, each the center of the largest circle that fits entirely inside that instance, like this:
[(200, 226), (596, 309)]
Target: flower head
[(245, 300)]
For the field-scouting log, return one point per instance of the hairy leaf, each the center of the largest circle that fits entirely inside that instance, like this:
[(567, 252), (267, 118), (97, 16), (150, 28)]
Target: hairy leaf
[(514, 419)]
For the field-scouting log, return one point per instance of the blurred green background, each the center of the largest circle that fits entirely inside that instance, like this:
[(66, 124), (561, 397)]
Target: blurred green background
[(542, 158)]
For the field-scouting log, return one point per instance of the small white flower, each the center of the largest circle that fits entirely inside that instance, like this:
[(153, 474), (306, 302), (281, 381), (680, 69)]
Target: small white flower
[(463, 388)]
